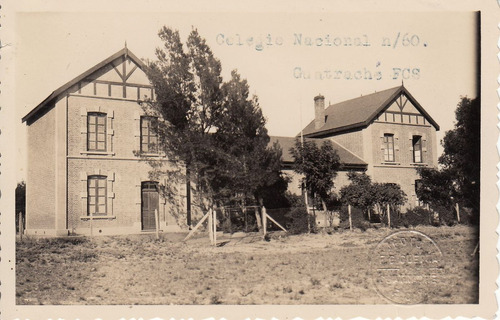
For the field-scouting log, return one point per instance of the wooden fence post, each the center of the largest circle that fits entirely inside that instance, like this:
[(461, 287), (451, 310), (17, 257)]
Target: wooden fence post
[(21, 224), (215, 227), (228, 214), (91, 224), (388, 215), (264, 220), (157, 220), (458, 211), (210, 226), (350, 219), (246, 219)]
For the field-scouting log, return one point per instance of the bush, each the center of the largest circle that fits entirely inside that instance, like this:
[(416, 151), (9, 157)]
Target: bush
[(399, 220), (447, 216), (294, 200), (357, 216), (298, 221), (418, 216)]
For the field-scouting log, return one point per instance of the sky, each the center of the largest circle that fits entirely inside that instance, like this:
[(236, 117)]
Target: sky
[(287, 58)]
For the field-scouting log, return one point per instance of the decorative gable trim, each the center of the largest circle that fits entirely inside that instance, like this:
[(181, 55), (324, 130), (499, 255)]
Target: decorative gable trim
[(77, 81), (398, 98), (374, 116)]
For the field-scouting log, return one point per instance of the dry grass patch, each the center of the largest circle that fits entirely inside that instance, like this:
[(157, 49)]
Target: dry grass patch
[(302, 269)]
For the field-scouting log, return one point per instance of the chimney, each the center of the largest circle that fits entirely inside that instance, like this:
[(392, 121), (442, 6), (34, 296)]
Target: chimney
[(319, 111)]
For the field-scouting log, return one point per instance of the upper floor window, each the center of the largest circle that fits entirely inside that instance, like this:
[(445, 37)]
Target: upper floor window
[(417, 149), (96, 195), (149, 134), (96, 131), (388, 147)]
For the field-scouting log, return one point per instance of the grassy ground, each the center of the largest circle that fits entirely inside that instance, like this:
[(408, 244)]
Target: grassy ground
[(302, 269)]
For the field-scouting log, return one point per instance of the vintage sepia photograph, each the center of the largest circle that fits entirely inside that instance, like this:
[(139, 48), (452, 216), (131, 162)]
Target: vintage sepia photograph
[(248, 158)]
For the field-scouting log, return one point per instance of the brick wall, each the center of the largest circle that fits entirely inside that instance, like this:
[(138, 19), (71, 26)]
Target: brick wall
[(352, 141), (403, 170), (403, 149), (40, 184), (123, 169)]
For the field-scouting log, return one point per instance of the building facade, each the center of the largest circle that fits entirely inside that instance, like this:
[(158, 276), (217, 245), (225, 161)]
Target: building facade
[(83, 163), (87, 142), (389, 130)]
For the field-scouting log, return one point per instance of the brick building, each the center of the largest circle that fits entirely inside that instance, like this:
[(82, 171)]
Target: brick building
[(83, 139), (387, 133), (82, 163)]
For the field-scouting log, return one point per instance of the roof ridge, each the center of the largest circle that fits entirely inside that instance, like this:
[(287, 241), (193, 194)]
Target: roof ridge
[(364, 96)]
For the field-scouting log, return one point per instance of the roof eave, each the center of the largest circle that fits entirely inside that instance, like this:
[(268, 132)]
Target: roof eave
[(351, 166), (384, 105), (421, 109), (318, 134)]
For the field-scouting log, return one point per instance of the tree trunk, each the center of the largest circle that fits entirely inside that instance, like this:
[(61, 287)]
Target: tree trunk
[(350, 219), (188, 197), (388, 215), (258, 215), (259, 221), (323, 203)]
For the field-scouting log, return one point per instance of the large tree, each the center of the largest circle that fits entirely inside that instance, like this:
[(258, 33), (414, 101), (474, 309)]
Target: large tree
[(213, 127), (458, 179), (462, 152), (318, 165), (436, 187)]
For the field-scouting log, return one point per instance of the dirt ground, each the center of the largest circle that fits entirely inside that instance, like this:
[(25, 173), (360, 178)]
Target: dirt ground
[(244, 269)]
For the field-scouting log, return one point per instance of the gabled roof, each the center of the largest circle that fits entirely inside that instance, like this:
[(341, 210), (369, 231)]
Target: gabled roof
[(360, 112), (347, 158), (55, 94)]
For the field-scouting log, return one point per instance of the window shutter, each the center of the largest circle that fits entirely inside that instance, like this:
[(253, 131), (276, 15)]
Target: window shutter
[(83, 193), (83, 123), (382, 146), (138, 194), (137, 124)]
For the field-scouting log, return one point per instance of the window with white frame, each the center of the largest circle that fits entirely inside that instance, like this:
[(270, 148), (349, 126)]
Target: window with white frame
[(417, 149), (149, 134), (96, 131), (388, 147), (96, 195)]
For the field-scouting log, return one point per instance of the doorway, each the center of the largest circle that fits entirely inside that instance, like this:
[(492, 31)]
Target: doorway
[(149, 203)]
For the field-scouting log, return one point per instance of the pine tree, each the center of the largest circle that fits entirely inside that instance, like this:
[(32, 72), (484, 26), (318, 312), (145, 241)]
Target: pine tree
[(213, 127)]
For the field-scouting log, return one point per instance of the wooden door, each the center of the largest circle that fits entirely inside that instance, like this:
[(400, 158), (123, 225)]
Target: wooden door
[(149, 203)]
